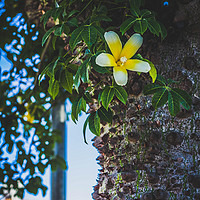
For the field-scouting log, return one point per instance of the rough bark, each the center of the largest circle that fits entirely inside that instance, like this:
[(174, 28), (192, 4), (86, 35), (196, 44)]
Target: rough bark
[(148, 154)]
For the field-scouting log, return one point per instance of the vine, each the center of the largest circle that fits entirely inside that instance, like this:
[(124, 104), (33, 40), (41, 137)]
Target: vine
[(87, 56)]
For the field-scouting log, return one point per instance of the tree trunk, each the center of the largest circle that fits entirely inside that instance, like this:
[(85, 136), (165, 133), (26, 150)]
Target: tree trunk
[(148, 154)]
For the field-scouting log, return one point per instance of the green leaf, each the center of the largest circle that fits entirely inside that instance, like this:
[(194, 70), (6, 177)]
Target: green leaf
[(41, 167), (100, 31), (84, 70), (160, 98), (89, 35), (73, 22), (58, 30), (105, 115), (173, 104), (46, 17), (57, 13), (44, 190), (153, 71), (47, 34), (161, 80), (101, 18), (170, 81), (163, 31), (72, 13), (145, 13), (51, 82), (127, 25), (84, 129), (135, 3), (107, 96), (82, 73), (61, 162), (66, 29), (10, 146), (135, 7), (78, 105), (121, 94), (53, 88), (76, 37), (66, 80), (73, 118), (54, 42), (153, 26), (44, 71), (77, 78), (99, 96), (55, 65), (56, 4), (31, 189), (140, 26), (94, 123), (83, 104), (75, 109), (53, 164), (152, 88), (87, 97), (139, 57), (183, 97)]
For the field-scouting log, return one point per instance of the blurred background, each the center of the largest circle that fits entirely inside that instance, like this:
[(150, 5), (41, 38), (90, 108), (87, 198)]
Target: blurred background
[(17, 69)]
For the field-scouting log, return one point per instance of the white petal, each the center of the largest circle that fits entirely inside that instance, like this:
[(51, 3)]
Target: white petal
[(132, 45), (105, 60), (120, 75), (114, 43), (137, 65)]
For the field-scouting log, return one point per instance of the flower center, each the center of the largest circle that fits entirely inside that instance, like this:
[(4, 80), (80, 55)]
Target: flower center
[(123, 60)]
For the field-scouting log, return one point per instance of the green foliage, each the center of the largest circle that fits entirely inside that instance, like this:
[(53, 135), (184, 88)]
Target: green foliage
[(76, 36), (164, 93), (34, 184), (153, 71), (47, 34), (109, 92), (107, 96), (78, 105), (66, 80), (84, 129), (105, 115), (53, 88), (82, 73), (94, 123), (27, 106), (121, 94), (141, 20)]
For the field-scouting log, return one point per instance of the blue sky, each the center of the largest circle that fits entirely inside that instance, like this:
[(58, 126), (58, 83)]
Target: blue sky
[(83, 168)]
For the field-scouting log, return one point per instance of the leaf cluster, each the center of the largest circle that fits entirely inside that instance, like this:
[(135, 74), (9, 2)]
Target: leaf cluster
[(104, 113), (163, 93), (141, 20)]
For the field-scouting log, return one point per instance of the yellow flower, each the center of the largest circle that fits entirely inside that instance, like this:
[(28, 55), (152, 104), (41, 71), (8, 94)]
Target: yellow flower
[(120, 58)]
